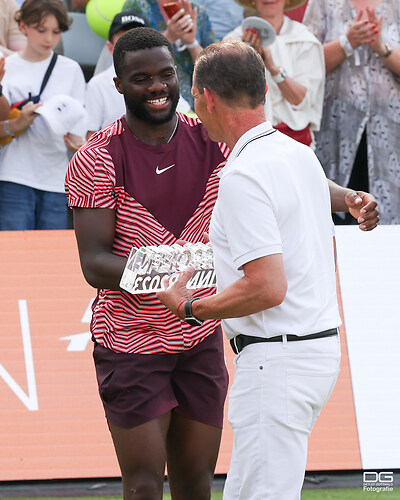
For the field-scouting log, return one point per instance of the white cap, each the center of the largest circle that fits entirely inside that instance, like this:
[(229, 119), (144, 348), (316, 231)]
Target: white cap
[(64, 114), (265, 30)]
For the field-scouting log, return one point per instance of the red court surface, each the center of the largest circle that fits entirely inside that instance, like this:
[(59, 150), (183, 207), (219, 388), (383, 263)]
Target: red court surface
[(51, 419)]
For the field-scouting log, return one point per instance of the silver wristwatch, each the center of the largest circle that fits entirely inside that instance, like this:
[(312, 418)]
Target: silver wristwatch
[(280, 77)]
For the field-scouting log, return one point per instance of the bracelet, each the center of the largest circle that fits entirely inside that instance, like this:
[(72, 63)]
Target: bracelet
[(346, 45), (180, 46), (192, 45), (7, 128), (1, 89), (180, 303), (389, 50)]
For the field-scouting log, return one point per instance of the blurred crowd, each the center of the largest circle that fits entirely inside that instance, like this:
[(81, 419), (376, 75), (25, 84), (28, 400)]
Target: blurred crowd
[(333, 84)]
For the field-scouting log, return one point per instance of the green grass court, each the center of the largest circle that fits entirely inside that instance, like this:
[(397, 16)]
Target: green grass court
[(320, 494)]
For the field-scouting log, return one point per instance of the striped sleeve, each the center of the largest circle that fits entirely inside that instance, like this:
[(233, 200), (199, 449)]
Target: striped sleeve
[(90, 179)]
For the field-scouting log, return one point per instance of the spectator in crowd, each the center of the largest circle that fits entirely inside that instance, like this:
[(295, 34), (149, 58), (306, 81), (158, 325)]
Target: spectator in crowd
[(224, 15), (33, 165), (188, 30), (358, 143), (295, 69), (76, 5), (11, 39)]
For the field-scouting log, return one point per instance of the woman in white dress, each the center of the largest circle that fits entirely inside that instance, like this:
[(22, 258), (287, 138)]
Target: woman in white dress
[(294, 67)]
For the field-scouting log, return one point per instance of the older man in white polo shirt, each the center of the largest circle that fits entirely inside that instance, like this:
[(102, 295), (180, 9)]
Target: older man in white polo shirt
[(272, 236)]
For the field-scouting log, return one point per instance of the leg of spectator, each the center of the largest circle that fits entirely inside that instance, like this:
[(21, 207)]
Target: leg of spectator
[(17, 207), (192, 449), (52, 210), (141, 453)]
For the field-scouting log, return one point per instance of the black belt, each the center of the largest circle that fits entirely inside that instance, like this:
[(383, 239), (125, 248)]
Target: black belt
[(239, 342)]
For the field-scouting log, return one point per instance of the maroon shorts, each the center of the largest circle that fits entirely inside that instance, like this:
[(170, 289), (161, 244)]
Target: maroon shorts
[(136, 388)]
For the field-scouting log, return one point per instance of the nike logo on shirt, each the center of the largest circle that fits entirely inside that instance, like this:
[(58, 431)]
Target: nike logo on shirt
[(161, 170)]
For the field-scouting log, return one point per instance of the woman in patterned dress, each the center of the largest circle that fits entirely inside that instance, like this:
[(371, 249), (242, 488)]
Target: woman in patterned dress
[(358, 142)]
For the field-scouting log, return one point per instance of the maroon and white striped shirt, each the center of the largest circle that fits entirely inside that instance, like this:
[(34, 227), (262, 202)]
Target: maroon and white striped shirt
[(160, 194)]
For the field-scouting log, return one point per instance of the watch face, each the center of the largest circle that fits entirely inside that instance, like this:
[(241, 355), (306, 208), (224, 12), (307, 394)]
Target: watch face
[(194, 321)]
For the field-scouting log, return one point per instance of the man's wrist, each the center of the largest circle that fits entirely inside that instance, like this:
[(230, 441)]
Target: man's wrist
[(189, 316), (179, 307)]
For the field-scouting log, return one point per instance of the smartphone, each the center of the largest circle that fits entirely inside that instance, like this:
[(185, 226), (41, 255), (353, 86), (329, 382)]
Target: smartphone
[(171, 8)]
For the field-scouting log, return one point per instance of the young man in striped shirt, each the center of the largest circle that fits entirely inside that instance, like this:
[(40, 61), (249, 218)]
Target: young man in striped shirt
[(150, 178)]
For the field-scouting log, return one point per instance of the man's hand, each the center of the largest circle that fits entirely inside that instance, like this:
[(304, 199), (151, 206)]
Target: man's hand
[(364, 208), (176, 293)]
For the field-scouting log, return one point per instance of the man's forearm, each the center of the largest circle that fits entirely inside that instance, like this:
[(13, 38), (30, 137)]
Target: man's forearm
[(240, 299), (103, 270), (338, 194), (263, 286)]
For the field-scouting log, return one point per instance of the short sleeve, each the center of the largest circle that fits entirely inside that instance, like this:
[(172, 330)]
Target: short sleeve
[(248, 218), (90, 179), (94, 111)]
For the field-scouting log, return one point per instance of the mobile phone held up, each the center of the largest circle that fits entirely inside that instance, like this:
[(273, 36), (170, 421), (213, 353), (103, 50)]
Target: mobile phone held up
[(171, 8)]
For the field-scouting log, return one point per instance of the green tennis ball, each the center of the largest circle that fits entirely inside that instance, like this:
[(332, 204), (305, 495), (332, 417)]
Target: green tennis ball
[(100, 13)]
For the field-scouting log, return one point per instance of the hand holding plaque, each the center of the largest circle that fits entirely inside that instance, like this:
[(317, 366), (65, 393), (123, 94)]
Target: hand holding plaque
[(147, 267)]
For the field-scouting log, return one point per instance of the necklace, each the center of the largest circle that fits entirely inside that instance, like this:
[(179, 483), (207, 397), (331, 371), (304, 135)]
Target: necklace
[(173, 132), (170, 137)]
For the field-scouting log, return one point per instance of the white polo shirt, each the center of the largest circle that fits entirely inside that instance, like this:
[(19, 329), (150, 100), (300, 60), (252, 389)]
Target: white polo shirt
[(274, 198)]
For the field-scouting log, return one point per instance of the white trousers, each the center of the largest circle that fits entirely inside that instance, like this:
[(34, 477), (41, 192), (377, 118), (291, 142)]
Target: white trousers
[(278, 391)]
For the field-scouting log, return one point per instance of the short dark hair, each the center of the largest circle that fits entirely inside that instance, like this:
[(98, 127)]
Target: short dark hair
[(234, 71), (138, 39), (34, 11)]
